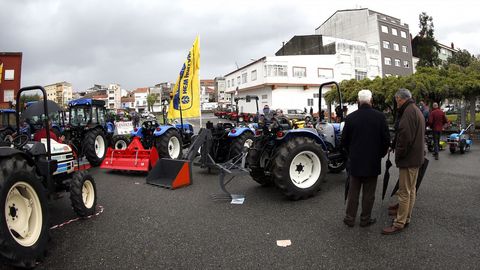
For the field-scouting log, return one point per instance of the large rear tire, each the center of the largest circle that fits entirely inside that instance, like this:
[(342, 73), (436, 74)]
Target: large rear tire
[(257, 172), (461, 147), (299, 168), (24, 231), (95, 146), (239, 143), (83, 194), (169, 145)]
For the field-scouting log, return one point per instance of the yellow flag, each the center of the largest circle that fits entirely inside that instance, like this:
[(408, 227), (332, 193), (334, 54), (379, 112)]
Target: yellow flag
[(186, 93), (1, 72)]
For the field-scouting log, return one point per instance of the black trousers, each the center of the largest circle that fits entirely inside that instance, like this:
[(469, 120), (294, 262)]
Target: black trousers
[(368, 186), (436, 141)]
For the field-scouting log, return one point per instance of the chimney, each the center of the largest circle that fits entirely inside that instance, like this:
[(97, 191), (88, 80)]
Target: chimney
[(453, 46)]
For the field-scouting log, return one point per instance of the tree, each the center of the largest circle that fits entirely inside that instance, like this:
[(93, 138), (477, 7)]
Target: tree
[(424, 45), (151, 99), (462, 58)]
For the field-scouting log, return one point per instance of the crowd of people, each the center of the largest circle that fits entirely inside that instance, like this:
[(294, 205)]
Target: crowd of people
[(366, 140)]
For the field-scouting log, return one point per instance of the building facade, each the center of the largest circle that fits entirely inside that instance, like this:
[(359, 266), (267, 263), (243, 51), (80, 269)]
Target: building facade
[(140, 95), (61, 92), (380, 31), (220, 86), (114, 93), (10, 77)]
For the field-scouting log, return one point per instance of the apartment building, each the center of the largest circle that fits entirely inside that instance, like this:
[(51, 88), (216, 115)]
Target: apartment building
[(114, 93), (384, 32), (10, 77), (61, 92)]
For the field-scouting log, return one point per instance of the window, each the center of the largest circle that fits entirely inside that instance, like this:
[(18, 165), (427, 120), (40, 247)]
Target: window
[(299, 72), (310, 102), (396, 47), (244, 77), (233, 82), (325, 73), (387, 61), (386, 44), (8, 95), (9, 74), (406, 64), (384, 29), (394, 32), (397, 62), (360, 75), (404, 49), (276, 70), (228, 83), (403, 34), (254, 75), (315, 95), (264, 96), (238, 80)]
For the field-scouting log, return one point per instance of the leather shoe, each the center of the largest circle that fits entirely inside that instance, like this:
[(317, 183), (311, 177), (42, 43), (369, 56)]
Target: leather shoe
[(349, 223), (368, 222), (393, 207), (391, 230)]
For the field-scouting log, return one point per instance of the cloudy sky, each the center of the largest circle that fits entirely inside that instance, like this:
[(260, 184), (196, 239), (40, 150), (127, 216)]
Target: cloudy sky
[(141, 43)]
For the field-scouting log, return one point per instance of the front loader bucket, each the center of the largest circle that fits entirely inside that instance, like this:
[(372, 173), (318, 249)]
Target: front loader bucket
[(133, 158), (170, 173)]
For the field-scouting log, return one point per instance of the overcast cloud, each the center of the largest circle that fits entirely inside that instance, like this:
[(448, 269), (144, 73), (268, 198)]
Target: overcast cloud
[(141, 43)]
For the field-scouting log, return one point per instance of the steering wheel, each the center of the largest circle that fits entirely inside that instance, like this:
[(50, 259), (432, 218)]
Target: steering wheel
[(20, 141)]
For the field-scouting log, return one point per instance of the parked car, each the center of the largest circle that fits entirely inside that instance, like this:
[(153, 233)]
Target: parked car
[(297, 114)]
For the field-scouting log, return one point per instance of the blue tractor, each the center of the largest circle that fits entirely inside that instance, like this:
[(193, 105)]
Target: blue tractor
[(7, 124), (294, 160), (460, 140), (88, 129)]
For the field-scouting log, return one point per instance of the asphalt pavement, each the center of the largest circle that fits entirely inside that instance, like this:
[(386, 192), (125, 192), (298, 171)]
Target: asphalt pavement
[(147, 227)]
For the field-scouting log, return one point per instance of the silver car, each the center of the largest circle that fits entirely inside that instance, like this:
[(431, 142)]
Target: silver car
[(297, 114)]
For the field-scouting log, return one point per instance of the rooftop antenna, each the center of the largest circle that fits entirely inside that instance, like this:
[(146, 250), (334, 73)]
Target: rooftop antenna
[(236, 64)]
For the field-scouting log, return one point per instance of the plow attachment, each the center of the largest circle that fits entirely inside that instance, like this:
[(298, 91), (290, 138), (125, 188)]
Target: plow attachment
[(133, 158)]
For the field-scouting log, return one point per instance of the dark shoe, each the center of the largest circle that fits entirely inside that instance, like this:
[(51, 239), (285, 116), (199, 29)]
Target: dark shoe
[(391, 230), (393, 207), (367, 223), (349, 223), (392, 213)]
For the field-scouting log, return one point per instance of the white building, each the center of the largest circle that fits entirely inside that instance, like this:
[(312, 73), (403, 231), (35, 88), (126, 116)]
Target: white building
[(157, 91), (114, 94), (292, 81), (60, 93), (140, 95)]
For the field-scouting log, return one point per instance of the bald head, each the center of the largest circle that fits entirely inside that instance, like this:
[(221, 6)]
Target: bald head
[(435, 105)]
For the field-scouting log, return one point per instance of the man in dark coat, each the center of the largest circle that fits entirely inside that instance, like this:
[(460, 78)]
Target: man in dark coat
[(366, 139), (409, 156), (436, 121)]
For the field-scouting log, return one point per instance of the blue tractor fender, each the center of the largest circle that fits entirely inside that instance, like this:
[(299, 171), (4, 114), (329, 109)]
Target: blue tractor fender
[(162, 129), (187, 127), (235, 132), (137, 132), (305, 132), (454, 136), (110, 127)]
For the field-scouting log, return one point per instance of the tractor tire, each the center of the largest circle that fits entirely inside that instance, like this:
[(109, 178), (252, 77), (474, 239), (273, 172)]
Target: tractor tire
[(6, 135), (120, 142), (461, 147), (83, 194), (169, 145), (296, 180), (256, 171), (24, 231), (95, 146), (337, 167), (239, 143)]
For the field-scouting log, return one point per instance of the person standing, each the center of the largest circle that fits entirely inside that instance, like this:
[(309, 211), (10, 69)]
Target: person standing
[(436, 121), (311, 111), (425, 110), (366, 139), (409, 156)]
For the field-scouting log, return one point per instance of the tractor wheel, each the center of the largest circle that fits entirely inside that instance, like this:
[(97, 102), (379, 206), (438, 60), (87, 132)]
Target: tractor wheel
[(169, 145), (95, 146), (239, 143), (299, 168), (6, 135), (120, 142), (257, 172), (24, 230), (461, 147), (83, 194), (337, 166), (452, 149)]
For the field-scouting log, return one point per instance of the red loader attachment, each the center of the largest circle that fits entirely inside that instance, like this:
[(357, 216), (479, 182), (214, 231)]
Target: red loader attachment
[(133, 158)]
